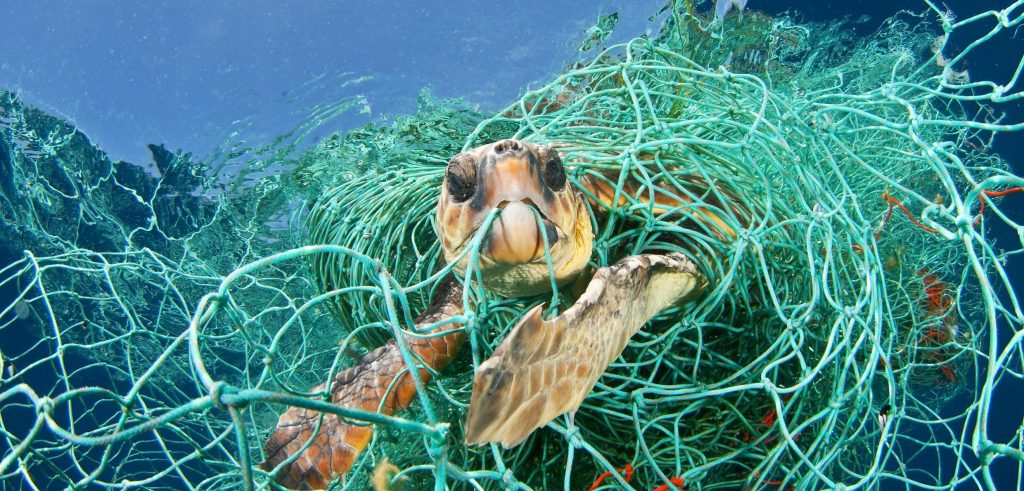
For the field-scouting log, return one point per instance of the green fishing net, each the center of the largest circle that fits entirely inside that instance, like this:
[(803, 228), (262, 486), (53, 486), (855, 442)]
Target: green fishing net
[(854, 333)]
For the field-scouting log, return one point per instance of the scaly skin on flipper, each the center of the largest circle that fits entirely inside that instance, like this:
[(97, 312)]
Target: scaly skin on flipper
[(545, 368), (363, 386)]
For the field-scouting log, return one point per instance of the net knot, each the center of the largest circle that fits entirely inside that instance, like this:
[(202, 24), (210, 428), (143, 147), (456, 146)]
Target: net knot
[(470, 323), (435, 449), (44, 406), (638, 400), (663, 128), (744, 238), (217, 393), (572, 434), (964, 222)]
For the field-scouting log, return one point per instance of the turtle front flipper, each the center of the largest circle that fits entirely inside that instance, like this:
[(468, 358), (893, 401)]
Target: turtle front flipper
[(370, 385), (545, 368)]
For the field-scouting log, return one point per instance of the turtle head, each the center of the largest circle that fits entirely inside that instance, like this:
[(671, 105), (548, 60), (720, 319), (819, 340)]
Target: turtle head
[(527, 183)]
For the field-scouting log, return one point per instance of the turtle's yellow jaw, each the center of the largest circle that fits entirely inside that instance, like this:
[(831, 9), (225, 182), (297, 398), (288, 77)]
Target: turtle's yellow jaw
[(527, 183)]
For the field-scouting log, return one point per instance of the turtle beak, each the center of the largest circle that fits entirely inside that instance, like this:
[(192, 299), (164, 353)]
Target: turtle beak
[(512, 182), (538, 213), (516, 236)]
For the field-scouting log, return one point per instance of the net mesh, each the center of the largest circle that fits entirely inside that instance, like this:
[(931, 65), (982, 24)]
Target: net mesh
[(854, 332)]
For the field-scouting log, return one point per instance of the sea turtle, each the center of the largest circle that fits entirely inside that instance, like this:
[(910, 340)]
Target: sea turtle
[(543, 368)]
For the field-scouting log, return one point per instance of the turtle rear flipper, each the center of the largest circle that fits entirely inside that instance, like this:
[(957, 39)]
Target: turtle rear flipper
[(370, 385), (545, 368)]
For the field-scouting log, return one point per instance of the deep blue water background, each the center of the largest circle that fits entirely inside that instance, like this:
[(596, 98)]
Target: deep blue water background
[(189, 73)]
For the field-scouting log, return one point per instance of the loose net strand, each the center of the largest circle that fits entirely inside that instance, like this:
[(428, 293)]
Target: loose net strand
[(855, 332)]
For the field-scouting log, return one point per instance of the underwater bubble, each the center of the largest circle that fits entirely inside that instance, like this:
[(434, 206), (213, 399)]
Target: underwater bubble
[(22, 310)]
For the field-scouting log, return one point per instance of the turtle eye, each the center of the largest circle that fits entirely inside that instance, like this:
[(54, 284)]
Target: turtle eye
[(461, 177), (554, 172)]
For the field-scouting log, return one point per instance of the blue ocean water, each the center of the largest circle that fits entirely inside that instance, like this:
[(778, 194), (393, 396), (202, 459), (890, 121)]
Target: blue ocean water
[(193, 75), (185, 74)]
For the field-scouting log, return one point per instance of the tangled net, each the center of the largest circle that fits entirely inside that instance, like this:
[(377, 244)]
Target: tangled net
[(854, 332)]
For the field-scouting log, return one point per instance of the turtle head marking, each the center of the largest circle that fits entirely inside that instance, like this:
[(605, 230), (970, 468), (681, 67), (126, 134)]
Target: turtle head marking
[(518, 178)]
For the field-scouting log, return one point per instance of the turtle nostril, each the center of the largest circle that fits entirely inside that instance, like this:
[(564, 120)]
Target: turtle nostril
[(551, 232), (508, 146)]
